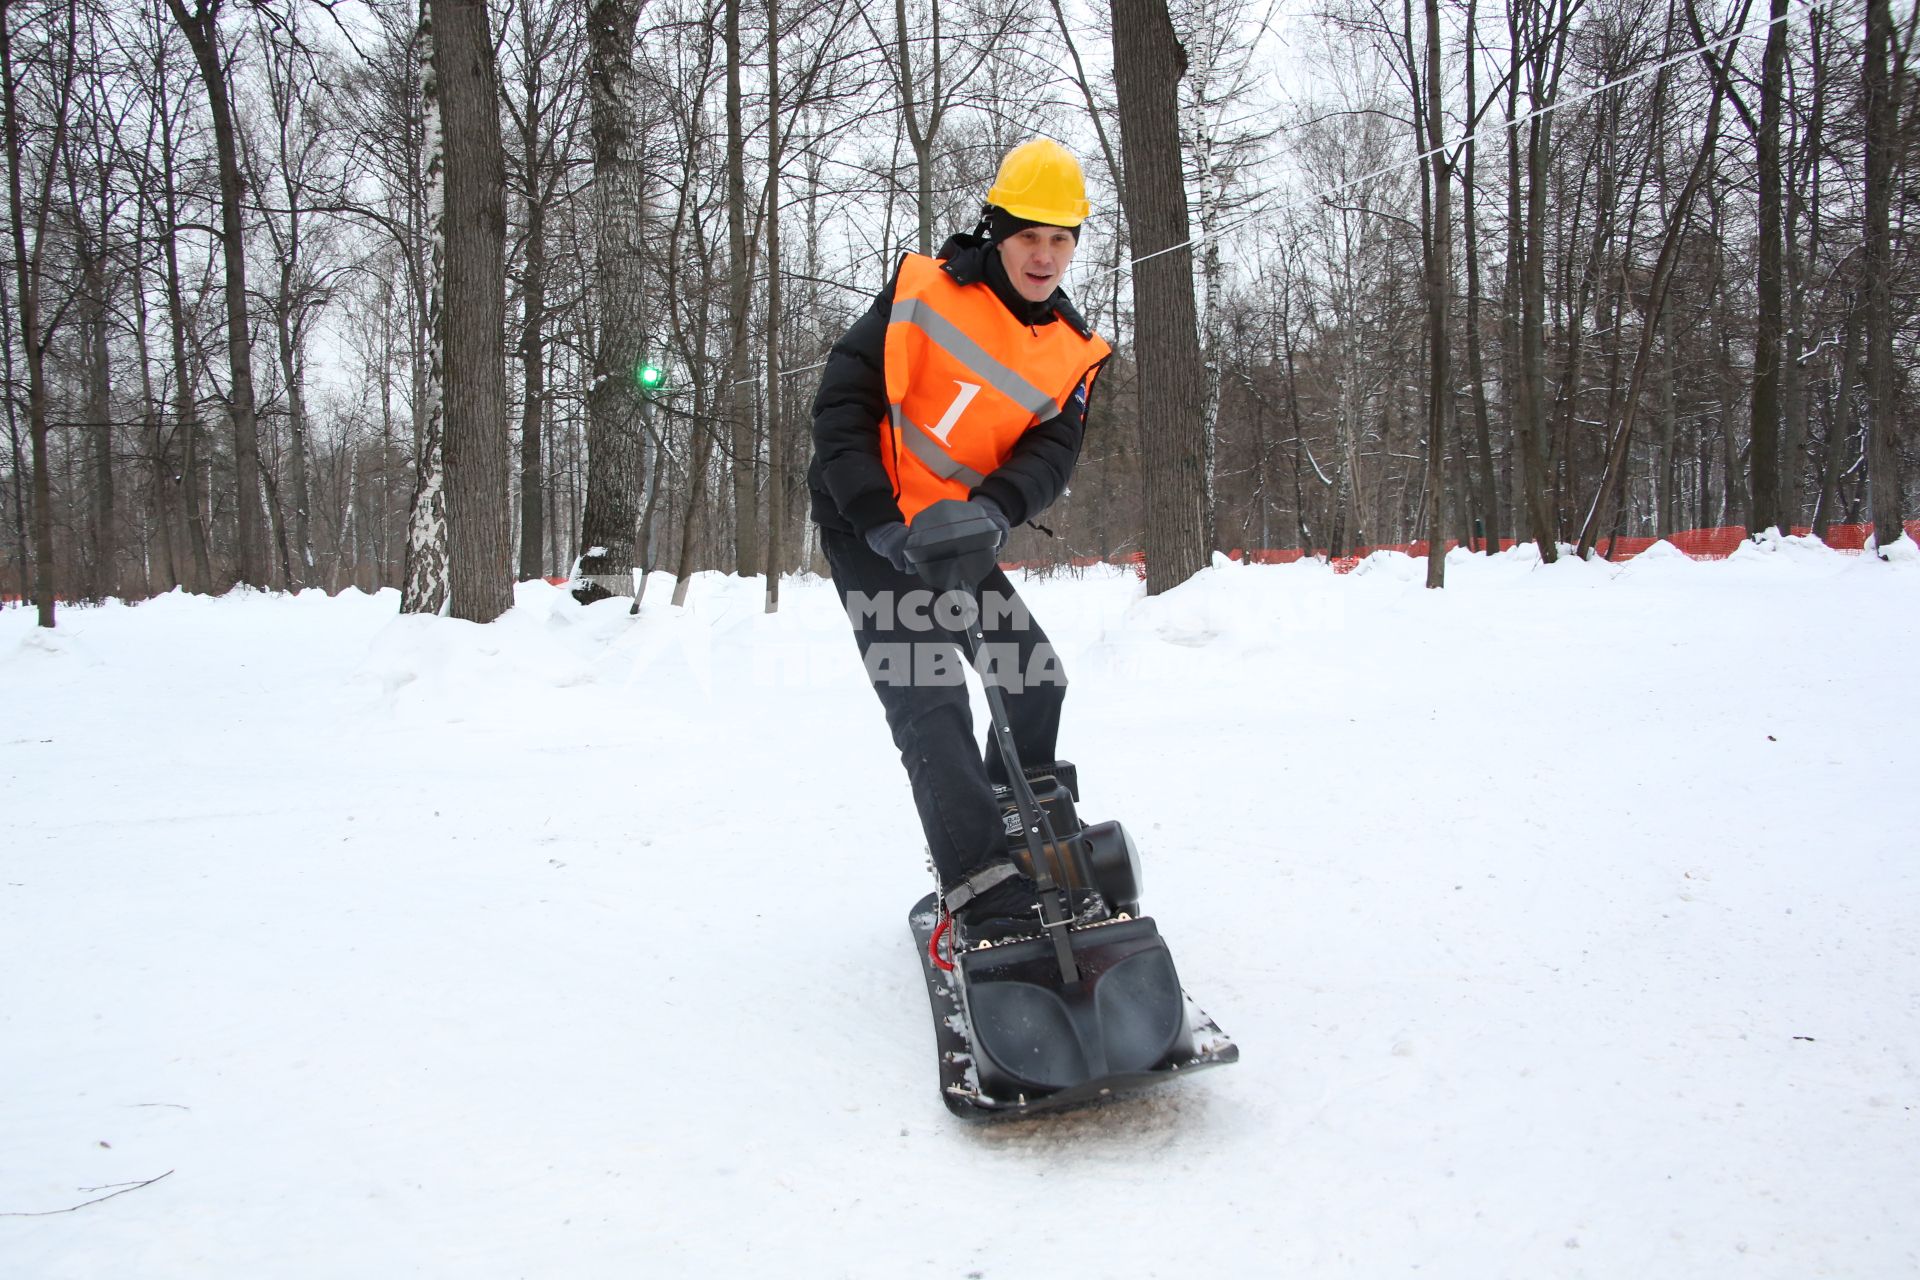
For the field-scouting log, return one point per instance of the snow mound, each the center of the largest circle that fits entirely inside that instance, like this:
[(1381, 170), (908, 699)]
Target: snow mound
[(1904, 551), (1238, 608), (39, 646), (1766, 543), (1396, 565), (1663, 552)]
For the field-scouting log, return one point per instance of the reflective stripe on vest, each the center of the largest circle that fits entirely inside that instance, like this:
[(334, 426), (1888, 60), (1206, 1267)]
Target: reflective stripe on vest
[(965, 380)]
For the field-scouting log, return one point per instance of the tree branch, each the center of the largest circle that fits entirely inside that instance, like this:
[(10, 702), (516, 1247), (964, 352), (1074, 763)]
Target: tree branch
[(123, 1189)]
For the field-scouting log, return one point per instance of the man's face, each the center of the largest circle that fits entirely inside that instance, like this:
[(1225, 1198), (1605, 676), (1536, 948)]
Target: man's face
[(1036, 259)]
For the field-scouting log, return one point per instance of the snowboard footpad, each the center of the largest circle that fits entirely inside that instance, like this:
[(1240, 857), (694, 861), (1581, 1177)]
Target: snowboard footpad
[(1126, 1027)]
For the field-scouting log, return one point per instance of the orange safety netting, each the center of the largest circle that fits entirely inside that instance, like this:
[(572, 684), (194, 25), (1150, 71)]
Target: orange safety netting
[(1698, 544)]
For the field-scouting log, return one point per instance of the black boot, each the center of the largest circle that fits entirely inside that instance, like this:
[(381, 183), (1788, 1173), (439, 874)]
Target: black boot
[(996, 904)]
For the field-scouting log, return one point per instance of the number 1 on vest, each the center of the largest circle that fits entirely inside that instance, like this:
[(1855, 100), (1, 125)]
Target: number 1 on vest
[(951, 418)]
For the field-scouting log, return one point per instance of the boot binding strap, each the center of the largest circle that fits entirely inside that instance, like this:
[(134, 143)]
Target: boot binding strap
[(978, 883)]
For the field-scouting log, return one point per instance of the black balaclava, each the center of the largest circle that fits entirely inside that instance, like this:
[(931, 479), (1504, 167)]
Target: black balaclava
[(998, 225), (1002, 225)]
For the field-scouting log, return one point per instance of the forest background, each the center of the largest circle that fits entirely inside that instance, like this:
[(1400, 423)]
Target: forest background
[(309, 293)]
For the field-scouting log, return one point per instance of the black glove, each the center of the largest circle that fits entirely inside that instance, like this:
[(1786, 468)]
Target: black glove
[(995, 514), (889, 542)]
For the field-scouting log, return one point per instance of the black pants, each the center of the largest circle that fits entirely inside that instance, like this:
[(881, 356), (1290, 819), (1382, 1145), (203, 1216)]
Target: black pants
[(911, 645)]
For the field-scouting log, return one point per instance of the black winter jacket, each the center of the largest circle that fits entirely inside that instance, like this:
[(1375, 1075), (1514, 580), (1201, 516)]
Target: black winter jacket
[(849, 484)]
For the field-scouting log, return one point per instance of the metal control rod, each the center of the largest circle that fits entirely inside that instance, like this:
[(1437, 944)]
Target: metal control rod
[(1033, 819)]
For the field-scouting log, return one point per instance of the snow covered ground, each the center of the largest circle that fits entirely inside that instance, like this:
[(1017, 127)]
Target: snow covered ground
[(1566, 920)]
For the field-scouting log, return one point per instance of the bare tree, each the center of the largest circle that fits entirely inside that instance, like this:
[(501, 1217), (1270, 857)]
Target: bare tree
[(396, 170), (201, 25), (930, 82), (1650, 330), (1436, 191), (1764, 127), (1488, 489), (30, 278), (479, 519), (1224, 138), (688, 315), (93, 200), (545, 47), (611, 522), (23, 544), (1881, 77), (1539, 31), (789, 102), (298, 161), (776, 435), (738, 397), (1148, 63), (166, 199), (1641, 312)]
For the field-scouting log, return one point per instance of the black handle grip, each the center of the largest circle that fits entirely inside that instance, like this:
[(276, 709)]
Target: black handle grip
[(953, 544)]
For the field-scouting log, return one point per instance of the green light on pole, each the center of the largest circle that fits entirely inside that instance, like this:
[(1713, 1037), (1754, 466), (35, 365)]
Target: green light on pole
[(650, 376)]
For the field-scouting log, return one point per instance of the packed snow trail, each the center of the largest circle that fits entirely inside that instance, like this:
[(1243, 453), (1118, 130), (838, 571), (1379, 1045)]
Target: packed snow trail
[(1564, 918)]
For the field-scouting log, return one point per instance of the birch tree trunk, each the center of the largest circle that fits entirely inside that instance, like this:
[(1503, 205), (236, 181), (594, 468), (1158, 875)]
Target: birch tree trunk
[(425, 581)]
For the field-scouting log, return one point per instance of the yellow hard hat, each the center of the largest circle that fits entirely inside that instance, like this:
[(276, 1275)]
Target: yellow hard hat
[(1040, 181)]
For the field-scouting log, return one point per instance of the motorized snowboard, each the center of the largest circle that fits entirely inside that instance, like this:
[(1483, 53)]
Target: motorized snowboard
[(1090, 1005), (1045, 1048)]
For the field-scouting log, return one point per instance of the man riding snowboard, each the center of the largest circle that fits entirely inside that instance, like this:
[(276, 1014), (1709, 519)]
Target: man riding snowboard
[(967, 379)]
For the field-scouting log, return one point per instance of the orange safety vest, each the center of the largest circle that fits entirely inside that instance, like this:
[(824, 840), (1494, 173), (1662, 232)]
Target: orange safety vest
[(965, 380)]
